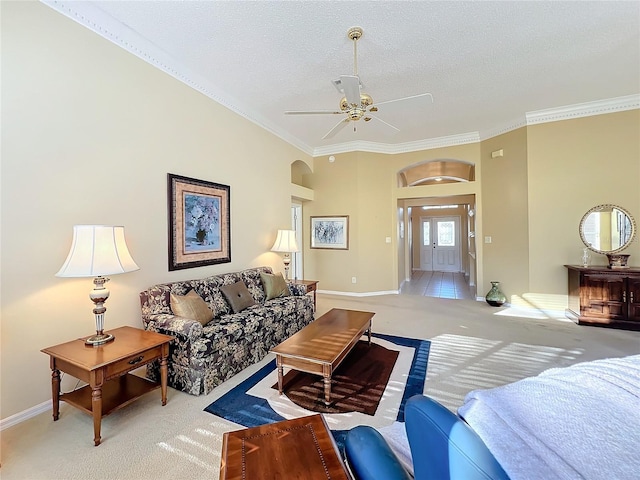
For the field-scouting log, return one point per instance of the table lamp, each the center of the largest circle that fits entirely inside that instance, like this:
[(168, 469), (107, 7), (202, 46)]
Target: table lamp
[(286, 243), (98, 250)]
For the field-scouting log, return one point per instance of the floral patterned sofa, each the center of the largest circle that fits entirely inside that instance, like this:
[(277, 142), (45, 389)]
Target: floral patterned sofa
[(203, 357)]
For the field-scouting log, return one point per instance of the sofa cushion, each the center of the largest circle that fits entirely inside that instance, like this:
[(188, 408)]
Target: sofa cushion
[(274, 285), (209, 290), (251, 279), (157, 299), (238, 296), (191, 306)]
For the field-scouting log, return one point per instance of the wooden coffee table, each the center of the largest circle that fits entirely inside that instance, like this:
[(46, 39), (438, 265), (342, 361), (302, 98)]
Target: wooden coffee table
[(320, 346), (106, 370), (302, 448)]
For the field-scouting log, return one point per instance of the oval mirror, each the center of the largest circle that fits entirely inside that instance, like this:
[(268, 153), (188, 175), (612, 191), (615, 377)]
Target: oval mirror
[(607, 229)]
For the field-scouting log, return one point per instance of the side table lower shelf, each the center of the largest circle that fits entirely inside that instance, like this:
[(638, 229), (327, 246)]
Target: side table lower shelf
[(116, 394)]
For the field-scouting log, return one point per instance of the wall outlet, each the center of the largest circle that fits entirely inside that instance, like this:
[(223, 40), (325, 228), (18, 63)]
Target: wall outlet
[(353, 279), (487, 239)]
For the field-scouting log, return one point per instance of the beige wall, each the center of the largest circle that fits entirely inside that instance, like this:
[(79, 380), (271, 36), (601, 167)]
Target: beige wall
[(504, 213), (572, 166), (89, 133), (358, 185)]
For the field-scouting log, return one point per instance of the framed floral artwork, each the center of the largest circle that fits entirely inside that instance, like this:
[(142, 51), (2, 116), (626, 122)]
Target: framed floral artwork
[(330, 232), (199, 223)]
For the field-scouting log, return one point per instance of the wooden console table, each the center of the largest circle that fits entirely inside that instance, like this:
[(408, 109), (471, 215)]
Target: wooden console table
[(106, 370), (298, 448), (606, 297), (310, 285)]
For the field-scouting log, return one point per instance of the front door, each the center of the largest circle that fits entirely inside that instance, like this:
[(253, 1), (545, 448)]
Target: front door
[(440, 244)]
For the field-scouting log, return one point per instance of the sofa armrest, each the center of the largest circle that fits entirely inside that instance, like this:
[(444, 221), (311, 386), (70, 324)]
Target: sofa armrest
[(184, 328), (444, 446), (370, 457)]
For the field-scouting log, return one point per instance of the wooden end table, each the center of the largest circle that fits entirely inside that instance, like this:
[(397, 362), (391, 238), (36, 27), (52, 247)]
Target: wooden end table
[(310, 285), (302, 448), (106, 370), (322, 345)]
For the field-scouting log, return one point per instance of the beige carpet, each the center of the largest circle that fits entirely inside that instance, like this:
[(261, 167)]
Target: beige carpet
[(472, 347)]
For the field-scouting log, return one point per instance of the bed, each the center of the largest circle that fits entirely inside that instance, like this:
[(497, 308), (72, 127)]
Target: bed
[(577, 422)]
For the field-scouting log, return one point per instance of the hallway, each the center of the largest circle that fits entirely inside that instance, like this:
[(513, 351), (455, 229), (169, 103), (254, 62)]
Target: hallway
[(437, 284)]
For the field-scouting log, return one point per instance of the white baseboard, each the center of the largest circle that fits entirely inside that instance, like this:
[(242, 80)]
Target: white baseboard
[(25, 415), (360, 294)]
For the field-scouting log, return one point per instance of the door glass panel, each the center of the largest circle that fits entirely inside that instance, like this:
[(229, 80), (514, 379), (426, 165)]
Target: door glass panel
[(426, 233), (446, 234)]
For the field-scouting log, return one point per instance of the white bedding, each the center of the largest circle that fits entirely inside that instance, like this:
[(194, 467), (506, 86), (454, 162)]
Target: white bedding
[(578, 422)]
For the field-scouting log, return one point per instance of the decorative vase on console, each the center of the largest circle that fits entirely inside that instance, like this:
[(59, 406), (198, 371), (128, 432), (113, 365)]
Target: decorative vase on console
[(586, 256), (495, 297)]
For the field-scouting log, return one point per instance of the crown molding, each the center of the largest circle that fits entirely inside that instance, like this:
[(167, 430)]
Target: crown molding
[(588, 109), (392, 149), (107, 27), (506, 127)]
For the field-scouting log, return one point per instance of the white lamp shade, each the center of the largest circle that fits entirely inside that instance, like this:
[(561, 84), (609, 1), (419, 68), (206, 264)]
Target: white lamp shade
[(97, 250), (285, 242)]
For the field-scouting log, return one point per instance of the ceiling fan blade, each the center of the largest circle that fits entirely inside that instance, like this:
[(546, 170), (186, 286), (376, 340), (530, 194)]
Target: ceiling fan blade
[(351, 86), (382, 121), (412, 97), (312, 112), (338, 126)]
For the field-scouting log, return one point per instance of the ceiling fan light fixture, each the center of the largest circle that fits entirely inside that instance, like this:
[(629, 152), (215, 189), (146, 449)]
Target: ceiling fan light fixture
[(355, 104)]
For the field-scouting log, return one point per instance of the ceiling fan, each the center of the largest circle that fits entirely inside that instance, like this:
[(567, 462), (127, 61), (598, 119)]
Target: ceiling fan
[(355, 104)]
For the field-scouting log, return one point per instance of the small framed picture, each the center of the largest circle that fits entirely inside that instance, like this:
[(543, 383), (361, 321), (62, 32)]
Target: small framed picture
[(330, 232), (199, 223)]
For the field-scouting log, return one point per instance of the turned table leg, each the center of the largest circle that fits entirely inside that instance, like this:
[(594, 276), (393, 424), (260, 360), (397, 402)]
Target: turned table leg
[(96, 382), (326, 377), (55, 393), (280, 373), (163, 378)]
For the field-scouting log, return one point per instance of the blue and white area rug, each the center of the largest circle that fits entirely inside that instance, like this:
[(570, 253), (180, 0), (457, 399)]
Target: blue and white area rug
[(254, 402)]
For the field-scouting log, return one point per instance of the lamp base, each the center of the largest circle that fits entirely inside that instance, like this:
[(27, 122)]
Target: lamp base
[(99, 339)]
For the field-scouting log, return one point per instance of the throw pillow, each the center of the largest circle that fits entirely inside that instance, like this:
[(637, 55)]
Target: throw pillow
[(191, 306), (238, 296), (274, 285)]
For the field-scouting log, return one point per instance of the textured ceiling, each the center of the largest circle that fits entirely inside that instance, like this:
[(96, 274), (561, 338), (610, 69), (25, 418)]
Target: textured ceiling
[(485, 63)]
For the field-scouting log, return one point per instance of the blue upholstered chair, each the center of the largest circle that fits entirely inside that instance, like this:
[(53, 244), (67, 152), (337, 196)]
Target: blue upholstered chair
[(443, 447)]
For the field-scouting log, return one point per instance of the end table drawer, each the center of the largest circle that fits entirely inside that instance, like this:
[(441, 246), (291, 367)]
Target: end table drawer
[(133, 362)]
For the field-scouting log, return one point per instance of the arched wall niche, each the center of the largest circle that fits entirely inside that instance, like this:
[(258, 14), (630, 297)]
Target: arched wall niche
[(298, 171), (431, 172)]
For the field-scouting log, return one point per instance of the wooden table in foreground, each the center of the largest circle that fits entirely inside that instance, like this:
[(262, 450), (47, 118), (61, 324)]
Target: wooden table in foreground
[(105, 368), (298, 449), (320, 346)]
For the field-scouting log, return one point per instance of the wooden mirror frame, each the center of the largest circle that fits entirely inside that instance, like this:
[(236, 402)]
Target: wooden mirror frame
[(599, 208)]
